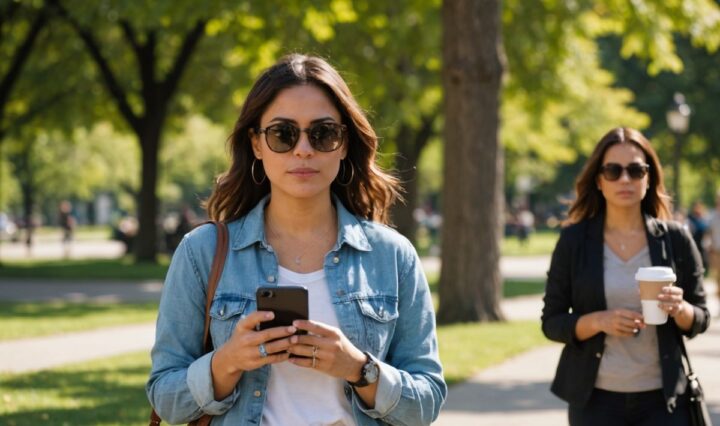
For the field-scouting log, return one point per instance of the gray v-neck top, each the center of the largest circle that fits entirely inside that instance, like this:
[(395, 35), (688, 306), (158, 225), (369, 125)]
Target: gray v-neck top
[(628, 364)]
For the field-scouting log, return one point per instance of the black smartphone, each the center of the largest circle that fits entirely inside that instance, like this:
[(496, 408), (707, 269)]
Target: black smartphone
[(289, 303)]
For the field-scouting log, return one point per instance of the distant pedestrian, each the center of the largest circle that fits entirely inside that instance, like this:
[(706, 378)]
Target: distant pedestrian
[(615, 369), (67, 223), (526, 224), (698, 225), (714, 229)]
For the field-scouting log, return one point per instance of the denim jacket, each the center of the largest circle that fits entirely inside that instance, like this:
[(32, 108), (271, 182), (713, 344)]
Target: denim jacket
[(380, 295)]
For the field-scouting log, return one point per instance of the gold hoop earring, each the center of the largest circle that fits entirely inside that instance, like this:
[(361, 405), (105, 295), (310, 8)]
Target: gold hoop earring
[(252, 174), (343, 172)]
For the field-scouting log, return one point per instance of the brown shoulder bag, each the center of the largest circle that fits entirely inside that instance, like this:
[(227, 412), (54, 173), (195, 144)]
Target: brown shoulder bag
[(221, 249)]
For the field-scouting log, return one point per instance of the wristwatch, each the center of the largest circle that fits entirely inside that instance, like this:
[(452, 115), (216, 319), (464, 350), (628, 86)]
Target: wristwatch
[(369, 373)]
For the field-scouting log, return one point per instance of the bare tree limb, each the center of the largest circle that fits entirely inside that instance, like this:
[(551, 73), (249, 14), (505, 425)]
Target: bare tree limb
[(20, 57), (39, 106), (188, 46), (111, 82)]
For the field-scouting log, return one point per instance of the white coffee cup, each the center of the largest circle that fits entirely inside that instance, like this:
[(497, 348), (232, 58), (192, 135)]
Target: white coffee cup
[(651, 281)]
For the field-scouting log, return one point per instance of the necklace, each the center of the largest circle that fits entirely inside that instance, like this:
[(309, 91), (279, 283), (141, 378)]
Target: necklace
[(622, 237), (297, 259)]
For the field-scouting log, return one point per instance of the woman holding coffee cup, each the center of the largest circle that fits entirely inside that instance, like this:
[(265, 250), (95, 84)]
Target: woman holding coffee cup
[(616, 368)]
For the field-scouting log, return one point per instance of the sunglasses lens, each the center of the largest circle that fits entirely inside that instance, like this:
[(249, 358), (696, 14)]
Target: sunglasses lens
[(612, 171), (281, 137), (636, 171), (326, 137)]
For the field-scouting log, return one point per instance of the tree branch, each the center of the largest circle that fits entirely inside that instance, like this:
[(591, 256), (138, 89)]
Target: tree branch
[(19, 59), (6, 14), (188, 46), (130, 36), (145, 57), (422, 136), (38, 107), (111, 82)]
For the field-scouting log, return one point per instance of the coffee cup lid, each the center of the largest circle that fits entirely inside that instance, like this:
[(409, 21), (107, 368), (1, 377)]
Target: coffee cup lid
[(655, 273)]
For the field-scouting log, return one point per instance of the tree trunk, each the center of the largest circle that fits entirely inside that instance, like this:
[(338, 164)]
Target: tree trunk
[(473, 60), (402, 213), (147, 236), (410, 144), (24, 172)]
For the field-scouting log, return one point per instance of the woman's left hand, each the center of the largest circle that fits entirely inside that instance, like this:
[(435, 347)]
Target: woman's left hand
[(671, 300), (326, 349)]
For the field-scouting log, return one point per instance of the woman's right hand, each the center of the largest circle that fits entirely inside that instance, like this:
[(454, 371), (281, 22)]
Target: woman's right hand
[(619, 322), (243, 352)]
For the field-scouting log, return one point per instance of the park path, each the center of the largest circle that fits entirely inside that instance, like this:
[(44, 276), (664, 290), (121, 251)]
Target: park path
[(515, 392)]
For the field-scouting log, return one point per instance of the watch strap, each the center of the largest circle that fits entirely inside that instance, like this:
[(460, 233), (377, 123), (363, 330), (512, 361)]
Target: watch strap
[(363, 372)]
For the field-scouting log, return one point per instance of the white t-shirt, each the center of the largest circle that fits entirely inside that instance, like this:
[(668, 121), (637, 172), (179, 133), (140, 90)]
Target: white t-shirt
[(302, 396)]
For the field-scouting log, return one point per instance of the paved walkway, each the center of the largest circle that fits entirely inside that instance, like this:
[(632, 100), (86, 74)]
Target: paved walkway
[(515, 392)]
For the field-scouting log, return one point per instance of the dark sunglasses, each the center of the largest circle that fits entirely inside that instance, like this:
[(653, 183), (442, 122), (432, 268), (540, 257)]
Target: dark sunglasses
[(613, 171), (324, 137)]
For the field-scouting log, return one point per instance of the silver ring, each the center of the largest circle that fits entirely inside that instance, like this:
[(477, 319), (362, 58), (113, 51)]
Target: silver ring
[(261, 349), (314, 361), (315, 349)]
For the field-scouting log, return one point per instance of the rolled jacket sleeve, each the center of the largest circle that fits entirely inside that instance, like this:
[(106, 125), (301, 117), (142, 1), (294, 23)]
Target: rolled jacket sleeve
[(180, 384), (411, 389), (558, 323), (199, 381), (692, 273)]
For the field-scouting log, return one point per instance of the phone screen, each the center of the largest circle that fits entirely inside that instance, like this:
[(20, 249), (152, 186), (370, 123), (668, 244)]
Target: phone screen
[(289, 303)]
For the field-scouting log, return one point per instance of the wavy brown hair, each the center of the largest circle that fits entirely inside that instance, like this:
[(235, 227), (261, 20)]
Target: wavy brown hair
[(589, 200), (371, 190)]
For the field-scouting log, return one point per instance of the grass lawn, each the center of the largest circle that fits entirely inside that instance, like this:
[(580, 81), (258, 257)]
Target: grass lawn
[(111, 391), (105, 392), (98, 269), (82, 232), (19, 320), (30, 319), (538, 243), (465, 349), (511, 288)]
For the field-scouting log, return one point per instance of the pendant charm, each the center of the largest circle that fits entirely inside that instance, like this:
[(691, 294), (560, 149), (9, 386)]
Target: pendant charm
[(298, 259)]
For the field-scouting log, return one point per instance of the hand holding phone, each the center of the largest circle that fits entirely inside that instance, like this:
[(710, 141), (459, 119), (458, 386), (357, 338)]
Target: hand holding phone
[(289, 303)]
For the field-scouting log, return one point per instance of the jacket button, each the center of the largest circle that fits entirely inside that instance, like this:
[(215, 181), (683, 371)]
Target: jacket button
[(598, 355), (336, 260), (257, 393), (271, 278)]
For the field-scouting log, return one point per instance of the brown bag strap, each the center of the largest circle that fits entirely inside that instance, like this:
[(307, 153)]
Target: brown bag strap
[(221, 249)]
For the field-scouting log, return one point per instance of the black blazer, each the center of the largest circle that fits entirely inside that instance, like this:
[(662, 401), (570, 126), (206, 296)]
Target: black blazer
[(575, 286)]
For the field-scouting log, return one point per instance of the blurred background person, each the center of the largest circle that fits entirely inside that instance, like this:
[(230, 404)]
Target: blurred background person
[(698, 225), (714, 227), (618, 223), (67, 222)]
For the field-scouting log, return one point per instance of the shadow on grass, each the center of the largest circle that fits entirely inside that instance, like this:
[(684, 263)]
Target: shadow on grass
[(105, 269), (112, 395), (65, 310), (511, 287)]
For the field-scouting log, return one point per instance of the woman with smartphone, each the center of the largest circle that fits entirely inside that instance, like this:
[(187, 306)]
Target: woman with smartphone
[(306, 205), (615, 369)]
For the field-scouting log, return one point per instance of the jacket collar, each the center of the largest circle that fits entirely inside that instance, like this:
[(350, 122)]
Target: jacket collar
[(251, 228), (655, 231), (653, 226)]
